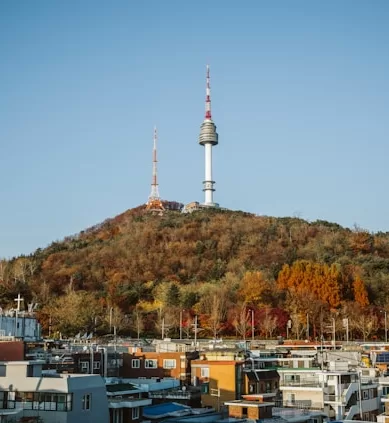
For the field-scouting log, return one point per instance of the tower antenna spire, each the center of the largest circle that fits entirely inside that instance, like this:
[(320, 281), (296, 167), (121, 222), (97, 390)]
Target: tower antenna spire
[(154, 202), (208, 114)]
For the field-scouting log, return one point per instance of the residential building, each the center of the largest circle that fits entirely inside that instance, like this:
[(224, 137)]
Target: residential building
[(89, 360), (159, 364), (220, 375), (26, 391), (340, 393), (260, 368), (126, 402)]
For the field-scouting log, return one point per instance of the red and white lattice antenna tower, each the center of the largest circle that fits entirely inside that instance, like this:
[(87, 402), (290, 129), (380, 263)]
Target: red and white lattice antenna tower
[(208, 114), (154, 202)]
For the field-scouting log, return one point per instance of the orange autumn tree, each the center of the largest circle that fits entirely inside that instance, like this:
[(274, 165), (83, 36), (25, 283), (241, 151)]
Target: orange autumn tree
[(252, 288), (360, 292), (317, 279)]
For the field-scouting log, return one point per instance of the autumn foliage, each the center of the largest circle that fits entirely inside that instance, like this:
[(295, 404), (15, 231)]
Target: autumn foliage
[(142, 270)]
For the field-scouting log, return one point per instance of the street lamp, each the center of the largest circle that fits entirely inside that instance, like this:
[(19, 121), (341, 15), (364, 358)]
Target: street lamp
[(110, 319)]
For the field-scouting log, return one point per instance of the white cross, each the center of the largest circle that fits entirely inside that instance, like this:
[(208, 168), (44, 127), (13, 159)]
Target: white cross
[(18, 300)]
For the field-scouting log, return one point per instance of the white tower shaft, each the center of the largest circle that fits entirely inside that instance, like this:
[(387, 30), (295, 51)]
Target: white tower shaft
[(208, 182)]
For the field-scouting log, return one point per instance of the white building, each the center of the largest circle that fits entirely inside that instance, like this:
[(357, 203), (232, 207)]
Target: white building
[(26, 391), (342, 394), (384, 391)]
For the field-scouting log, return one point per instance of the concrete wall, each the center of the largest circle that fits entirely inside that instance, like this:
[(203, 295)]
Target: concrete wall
[(95, 386)]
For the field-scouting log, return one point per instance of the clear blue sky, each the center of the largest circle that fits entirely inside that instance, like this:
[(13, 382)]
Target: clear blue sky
[(300, 97)]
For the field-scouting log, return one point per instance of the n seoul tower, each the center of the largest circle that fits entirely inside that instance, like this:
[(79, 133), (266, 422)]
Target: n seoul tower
[(208, 138)]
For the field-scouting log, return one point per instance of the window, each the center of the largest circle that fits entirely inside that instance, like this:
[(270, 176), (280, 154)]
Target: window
[(61, 402), (96, 365), (135, 364), (30, 370), (290, 398), (135, 413), (87, 402), (3, 370), (151, 364), (46, 401), (205, 372), (169, 364), (365, 395), (84, 366)]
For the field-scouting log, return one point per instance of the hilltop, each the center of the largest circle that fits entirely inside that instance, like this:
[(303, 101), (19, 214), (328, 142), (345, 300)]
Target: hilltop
[(218, 264)]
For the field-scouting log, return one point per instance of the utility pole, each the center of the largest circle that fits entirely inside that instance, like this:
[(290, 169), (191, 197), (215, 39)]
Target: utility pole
[(252, 325), (110, 319), (345, 325), (195, 336), (386, 329), (333, 333), (181, 324), (307, 326)]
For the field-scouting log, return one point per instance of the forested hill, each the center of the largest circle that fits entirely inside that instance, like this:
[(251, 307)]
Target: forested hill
[(206, 262)]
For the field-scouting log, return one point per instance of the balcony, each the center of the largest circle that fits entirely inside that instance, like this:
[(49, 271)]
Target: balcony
[(333, 398), (258, 365), (304, 383), (128, 402), (174, 394), (300, 405)]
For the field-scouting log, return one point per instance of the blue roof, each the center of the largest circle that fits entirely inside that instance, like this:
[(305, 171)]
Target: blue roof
[(160, 410)]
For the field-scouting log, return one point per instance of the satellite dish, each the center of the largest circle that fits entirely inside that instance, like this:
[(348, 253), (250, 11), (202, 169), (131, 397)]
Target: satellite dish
[(56, 358)]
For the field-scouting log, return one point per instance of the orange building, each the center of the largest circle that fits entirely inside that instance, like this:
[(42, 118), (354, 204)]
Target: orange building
[(220, 376)]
